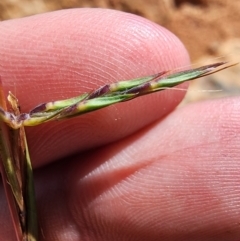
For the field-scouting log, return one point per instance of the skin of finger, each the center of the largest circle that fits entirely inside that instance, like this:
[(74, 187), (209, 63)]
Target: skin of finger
[(63, 54), (175, 180)]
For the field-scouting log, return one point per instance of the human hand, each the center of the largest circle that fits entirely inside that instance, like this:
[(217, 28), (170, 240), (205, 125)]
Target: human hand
[(132, 171)]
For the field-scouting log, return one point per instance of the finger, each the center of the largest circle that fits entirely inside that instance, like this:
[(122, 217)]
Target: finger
[(176, 180), (63, 54)]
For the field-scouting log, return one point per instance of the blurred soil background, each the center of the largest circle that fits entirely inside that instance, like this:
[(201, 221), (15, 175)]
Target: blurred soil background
[(210, 30)]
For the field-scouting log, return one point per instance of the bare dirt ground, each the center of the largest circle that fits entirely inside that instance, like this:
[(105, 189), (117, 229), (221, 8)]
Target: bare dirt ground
[(209, 29)]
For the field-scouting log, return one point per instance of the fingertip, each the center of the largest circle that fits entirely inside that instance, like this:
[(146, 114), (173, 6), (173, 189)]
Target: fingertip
[(78, 50), (66, 53)]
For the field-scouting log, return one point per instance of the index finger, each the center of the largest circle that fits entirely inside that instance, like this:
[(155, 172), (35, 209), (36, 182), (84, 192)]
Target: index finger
[(63, 54)]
